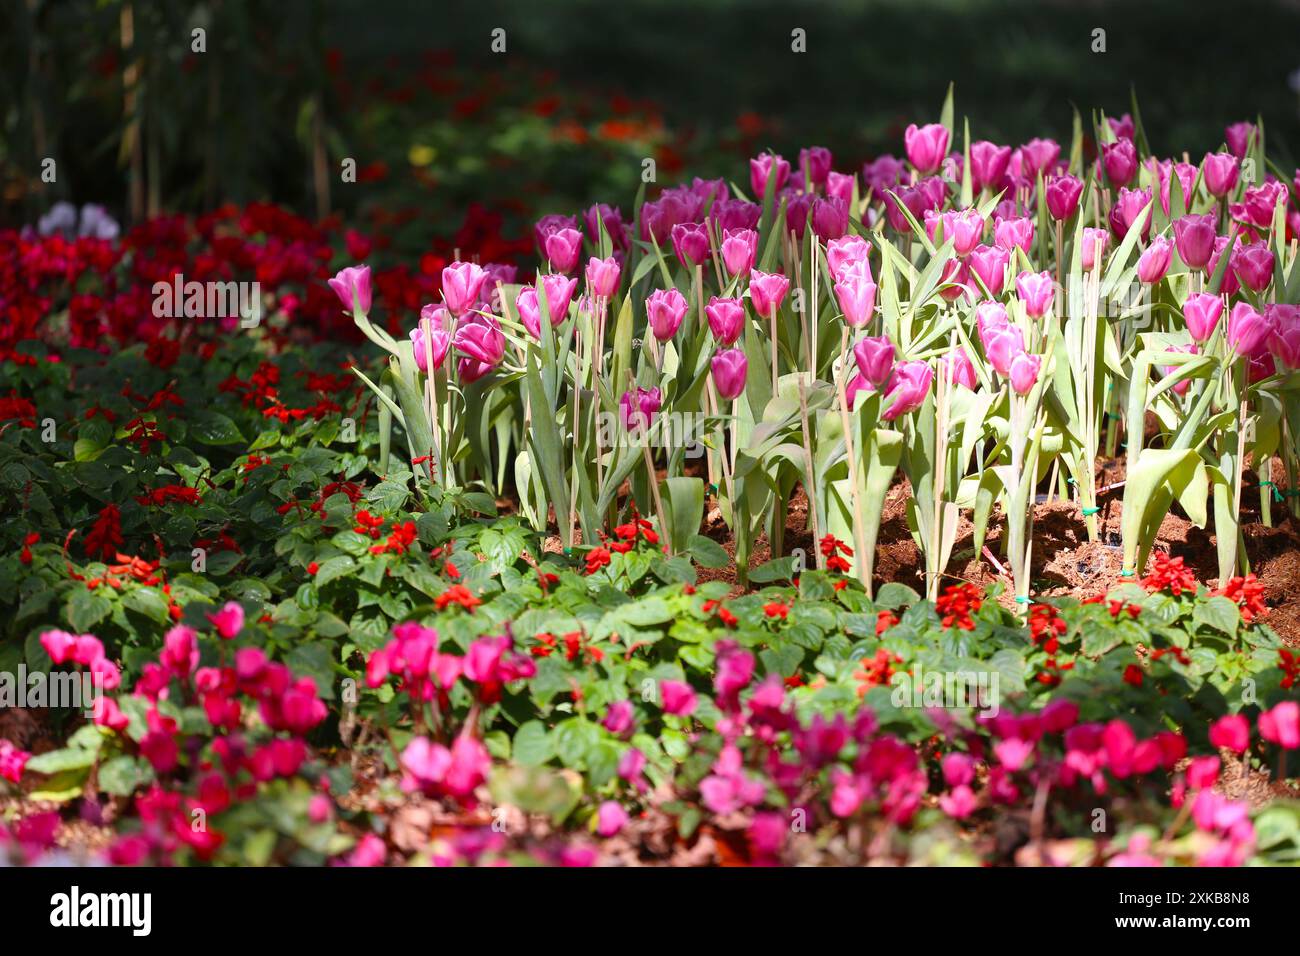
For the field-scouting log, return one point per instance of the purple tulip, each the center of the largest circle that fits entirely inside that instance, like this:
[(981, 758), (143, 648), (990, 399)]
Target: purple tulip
[(990, 264), (988, 164), (875, 358), (732, 214), (1023, 373), (612, 219), (1248, 331), (548, 226), (913, 199), (1120, 161), (1063, 194), (726, 318), (957, 365), (352, 286), (1154, 262), (1253, 265), (1009, 233), (1001, 345), (436, 320), (691, 243), (884, 172), (926, 146), (1128, 206), (1238, 137), (767, 291), (1036, 291), (602, 275), (562, 249), (1201, 312), (739, 250), (856, 294), (907, 389), (761, 171), (840, 185), (847, 251), (815, 162), (1123, 127), (1194, 238), (1285, 343), (665, 311), (637, 410), (797, 206), (830, 218), (729, 370)]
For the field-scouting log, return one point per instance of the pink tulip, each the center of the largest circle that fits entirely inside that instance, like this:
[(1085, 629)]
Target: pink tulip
[(637, 410), (1128, 206), (990, 264), (959, 369), (229, 621), (1285, 344), (1010, 233), (1095, 242), (767, 291), (926, 146), (1219, 171), (1194, 236), (739, 250), (730, 367), (1120, 161), (847, 251), (1239, 137), (1253, 265), (815, 163), (726, 318), (840, 185), (1201, 312), (856, 294), (1248, 331), (884, 173), (1231, 732), (461, 284), (1281, 725), (1258, 204), (1063, 194), (914, 200), (664, 311), (1231, 284), (1123, 127), (830, 218), (678, 698), (988, 164), (1024, 372), (603, 275), (480, 340), (990, 316), (1154, 262), (1036, 290), (762, 169), (875, 358), (562, 248), (1038, 155), (1182, 385), (907, 389), (1001, 345), (732, 214), (691, 243), (352, 286)]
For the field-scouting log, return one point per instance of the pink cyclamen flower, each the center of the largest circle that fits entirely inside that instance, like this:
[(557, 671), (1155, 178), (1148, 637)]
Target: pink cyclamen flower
[(875, 358), (1281, 725), (1253, 265), (1095, 242), (180, 653), (926, 146), (845, 252), (1120, 161), (1219, 170), (1232, 732), (1024, 372), (730, 366), (610, 818), (958, 769), (563, 248), (726, 318), (678, 698), (461, 284), (856, 294), (988, 164), (1248, 331), (767, 290), (768, 170), (1194, 237), (603, 275), (1036, 290), (664, 312), (1063, 194), (739, 250), (60, 645), (619, 718), (1154, 262), (352, 286), (907, 389), (229, 621), (959, 802), (1201, 311), (1239, 137)]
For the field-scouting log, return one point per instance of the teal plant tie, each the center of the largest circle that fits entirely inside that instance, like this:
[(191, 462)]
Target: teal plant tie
[(1127, 574), (1021, 600), (1277, 495), (1090, 511)]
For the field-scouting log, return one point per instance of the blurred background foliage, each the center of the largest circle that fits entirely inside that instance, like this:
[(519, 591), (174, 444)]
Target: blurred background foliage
[(449, 136)]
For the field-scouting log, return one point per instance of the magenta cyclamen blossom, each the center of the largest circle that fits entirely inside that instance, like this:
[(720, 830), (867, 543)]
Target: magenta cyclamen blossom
[(603, 275), (768, 171), (1036, 290), (1154, 262), (926, 146), (1194, 238), (678, 698), (730, 367), (1281, 725), (1201, 312), (352, 286), (726, 318), (907, 389), (229, 621), (637, 410), (1063, 194), (767, 291), (856, 294), (461, 284), (1231, 731), (610, 818), (875, 358), (739, 250), (619, 718), (664, 312)]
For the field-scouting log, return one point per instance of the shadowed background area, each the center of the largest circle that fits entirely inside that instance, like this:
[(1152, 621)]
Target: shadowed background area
[(436, 121)]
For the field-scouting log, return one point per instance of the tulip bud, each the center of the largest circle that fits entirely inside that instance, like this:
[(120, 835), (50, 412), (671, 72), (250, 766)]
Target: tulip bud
[(840, 185), (830, 218), (1038, 155), (726, 318), (1201, 312), (1285, 342), (847, 251), (1001, 345), (1248, 331), (1009, 233), (988, 164), (990, 264), (815, 163), (856, 295), (1238, 137), (875, 358), (1253, 265), (1194, 238), (1219, 171), (603, 275), (1128, 206), (691, 243), (562, 249), (990, 316), (1036, 290), (1023, 373), (729, 370), (461, 284), (1154, 262), (1120, 162), (739, 250), (926, 146), (664, 312), (1182, 385), (761, 171), (1095, 242), (767, 291), (1063, 194), (957, 365), (1230, 282), (637, 409), (352, 286)]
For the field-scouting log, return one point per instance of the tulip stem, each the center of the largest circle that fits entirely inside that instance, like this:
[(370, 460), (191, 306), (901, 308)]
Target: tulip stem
[(772, 320), (859, 528), (809, 472)]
